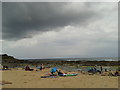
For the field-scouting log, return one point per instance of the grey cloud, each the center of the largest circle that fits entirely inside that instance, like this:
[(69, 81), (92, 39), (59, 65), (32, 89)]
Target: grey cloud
[(21, 18), (90, 29)]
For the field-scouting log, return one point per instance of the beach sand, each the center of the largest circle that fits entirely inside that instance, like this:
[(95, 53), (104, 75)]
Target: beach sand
[(31, 79)]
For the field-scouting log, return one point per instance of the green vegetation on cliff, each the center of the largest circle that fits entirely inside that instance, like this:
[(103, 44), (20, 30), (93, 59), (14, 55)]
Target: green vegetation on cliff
[(10, 60)]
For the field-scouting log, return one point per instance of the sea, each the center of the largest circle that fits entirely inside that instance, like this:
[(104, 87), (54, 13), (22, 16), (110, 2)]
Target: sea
[(78, 59)]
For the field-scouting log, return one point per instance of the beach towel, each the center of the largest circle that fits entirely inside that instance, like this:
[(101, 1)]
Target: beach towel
[(5, 69), (49, 76)]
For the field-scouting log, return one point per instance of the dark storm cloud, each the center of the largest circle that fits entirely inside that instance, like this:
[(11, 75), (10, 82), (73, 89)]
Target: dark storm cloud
[(20, 19)]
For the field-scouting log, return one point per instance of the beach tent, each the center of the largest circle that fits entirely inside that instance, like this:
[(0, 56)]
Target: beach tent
[(93, 70)]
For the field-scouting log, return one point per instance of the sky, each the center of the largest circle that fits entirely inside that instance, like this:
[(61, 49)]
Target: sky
[(58, 30)]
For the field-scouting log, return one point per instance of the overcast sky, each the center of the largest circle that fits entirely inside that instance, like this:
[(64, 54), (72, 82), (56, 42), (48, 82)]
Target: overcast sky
[(47, 29)]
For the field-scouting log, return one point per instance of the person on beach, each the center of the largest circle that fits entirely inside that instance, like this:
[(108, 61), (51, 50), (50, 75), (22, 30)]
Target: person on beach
[(41, 67), (105, 70), (101, 68), (53, 70), (27, 68), (117, 73), (94, 70), (5, 67), (60, 72)]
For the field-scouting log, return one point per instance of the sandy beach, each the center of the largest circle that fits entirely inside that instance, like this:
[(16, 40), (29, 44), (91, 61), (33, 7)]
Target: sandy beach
[(32, 79)]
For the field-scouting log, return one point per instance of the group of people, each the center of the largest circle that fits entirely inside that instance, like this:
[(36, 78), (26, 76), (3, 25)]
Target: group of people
[(41, 67), (5, 67), (116, 73), (55, 70), (110, 72)]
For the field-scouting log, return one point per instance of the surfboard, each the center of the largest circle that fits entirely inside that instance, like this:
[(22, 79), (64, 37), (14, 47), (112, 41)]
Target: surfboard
[(74, 74)]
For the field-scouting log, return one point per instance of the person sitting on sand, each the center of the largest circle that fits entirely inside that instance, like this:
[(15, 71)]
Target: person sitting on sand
[(94, 70), (59, 72), (117, 73), (41, 67), (53, 70), (110, 73), (5, 67), (27, 68)]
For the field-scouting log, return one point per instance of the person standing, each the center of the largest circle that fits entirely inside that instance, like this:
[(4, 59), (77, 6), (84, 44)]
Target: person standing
[(101, 68), (41, 67)]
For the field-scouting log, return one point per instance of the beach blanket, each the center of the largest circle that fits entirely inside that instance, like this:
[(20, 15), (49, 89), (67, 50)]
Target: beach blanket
[(49, 76), (29, 70), (5, 69)]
